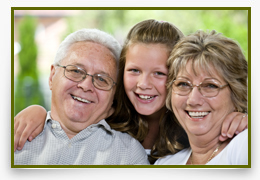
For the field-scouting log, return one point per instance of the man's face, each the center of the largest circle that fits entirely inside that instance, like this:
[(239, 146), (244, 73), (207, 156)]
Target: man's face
[(91, 104)]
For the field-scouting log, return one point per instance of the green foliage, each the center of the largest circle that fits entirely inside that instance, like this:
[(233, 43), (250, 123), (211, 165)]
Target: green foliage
[(27, 89), (231, 23)]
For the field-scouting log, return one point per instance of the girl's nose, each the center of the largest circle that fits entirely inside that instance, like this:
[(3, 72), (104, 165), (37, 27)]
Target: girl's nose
[(144, 82)]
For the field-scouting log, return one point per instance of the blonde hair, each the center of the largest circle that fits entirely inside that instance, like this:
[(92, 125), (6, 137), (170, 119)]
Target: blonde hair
[(207, 50)]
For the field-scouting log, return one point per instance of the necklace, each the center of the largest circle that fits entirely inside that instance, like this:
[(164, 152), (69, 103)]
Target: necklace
[(212, 155)]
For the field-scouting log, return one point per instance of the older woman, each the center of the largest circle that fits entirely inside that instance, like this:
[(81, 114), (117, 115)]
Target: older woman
[(207, 80)]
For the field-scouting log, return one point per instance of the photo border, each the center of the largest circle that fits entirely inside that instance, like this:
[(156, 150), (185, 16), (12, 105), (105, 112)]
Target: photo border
[(131, 166)]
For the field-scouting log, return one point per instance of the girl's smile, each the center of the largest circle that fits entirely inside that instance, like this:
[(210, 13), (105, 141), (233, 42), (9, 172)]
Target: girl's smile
[(145, 77)]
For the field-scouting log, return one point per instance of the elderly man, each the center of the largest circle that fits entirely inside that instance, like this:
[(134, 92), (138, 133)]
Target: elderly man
[(82, 81)]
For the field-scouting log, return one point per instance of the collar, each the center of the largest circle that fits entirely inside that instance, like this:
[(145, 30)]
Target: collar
[(102, 123)]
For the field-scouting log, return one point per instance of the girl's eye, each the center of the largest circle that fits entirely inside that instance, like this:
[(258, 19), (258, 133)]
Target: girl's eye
[(160, 73), (134, 70)]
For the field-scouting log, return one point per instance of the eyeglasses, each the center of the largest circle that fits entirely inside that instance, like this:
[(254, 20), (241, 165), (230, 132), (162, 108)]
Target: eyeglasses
[(77, 74), (208, 88)]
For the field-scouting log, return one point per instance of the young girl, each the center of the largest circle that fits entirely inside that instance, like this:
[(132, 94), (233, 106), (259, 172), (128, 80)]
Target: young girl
[(140, 97)]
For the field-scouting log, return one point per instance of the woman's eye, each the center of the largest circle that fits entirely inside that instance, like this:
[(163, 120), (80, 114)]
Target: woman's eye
[(210, 86), (183, 84)]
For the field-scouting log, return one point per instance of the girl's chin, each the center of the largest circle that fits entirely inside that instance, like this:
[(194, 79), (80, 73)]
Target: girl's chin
[(143, 111), (146, 112)]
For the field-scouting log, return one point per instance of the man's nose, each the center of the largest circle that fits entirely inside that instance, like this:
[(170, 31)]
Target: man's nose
[(86, 84)]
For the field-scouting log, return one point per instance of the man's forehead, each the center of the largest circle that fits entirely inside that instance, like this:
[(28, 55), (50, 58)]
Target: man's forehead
[(85, 48), (89, 54)]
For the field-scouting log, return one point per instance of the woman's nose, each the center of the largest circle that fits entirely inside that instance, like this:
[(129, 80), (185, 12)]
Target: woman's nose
[(195, 97)]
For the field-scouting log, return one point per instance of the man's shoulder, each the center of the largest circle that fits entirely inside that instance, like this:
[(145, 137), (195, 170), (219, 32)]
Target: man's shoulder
[(123, 135), (126, 140)]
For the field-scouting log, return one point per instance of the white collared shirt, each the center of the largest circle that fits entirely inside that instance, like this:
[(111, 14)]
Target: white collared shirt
[(98, 144)]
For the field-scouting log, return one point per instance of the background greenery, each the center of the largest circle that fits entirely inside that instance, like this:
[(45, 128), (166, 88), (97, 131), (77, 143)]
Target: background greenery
[(27, 89), (232, 23)]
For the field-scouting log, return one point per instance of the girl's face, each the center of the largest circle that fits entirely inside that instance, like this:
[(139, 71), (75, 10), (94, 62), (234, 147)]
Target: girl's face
[(145, 76)]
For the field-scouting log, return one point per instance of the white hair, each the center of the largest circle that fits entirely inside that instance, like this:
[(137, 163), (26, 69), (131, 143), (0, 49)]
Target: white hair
[(91, 35)]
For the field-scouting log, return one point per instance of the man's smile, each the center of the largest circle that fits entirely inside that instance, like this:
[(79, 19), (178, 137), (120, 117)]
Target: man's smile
[(80, 99)]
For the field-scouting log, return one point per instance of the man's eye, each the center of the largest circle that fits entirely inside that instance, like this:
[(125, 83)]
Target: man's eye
[(76, 71), (101, 80)]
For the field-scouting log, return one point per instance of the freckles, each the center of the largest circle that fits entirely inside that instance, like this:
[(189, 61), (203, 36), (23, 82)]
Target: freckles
[(111, 65)]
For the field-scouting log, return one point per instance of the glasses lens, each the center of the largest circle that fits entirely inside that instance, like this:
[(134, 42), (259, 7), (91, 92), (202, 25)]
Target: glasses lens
[(210, 88), (74, 73), (181, 86), (102, 81)]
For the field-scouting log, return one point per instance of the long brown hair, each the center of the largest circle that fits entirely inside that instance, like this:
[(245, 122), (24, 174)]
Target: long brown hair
[(126, 118)]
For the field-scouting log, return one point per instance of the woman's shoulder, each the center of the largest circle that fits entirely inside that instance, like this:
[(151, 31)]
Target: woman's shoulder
[(239, 143), (235, 153), (240, 138)]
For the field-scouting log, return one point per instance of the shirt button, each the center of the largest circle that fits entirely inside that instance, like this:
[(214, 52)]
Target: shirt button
[(54, 126)]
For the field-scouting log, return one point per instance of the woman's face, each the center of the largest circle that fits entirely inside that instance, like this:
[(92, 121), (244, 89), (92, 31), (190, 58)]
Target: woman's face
[(201, 115), (145, 76)]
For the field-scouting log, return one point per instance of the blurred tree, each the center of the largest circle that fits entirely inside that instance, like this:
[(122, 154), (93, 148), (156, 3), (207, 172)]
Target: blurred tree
[(27, 89), (231, 23)]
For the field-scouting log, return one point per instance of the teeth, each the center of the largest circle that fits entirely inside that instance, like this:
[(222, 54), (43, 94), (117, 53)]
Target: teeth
[(198, 114), (80, 99), (146, 97)]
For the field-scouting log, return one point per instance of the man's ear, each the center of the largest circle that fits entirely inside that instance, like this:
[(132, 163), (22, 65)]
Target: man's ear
[(51, 76)]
